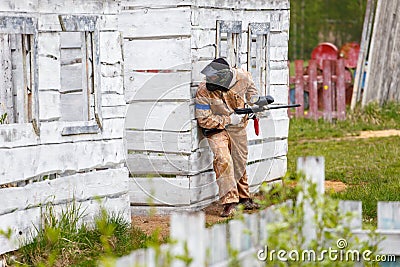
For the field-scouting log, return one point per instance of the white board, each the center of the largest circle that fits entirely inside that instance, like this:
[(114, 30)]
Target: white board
[(157, 86), (166, 116), (159, 191), (150, 22), (159, 54)]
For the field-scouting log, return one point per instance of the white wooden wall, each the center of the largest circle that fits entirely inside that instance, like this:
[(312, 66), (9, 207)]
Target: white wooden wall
[(166, 44), (72, 160)]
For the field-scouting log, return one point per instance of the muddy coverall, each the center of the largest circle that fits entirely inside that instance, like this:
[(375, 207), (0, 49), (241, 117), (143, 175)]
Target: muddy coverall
[(229, 146)]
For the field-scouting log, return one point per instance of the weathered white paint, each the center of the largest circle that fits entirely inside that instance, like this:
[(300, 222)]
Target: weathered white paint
[(49, 108), (166, 116), (141, 86), (79, 187), (159, 191), (148, 22), (158, 54), (28, 162), (20, 135), (266, 170), (110, 47), (160, 141)]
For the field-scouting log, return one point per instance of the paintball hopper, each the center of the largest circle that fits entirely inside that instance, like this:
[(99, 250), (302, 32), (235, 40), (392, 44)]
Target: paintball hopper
[(261, 100)]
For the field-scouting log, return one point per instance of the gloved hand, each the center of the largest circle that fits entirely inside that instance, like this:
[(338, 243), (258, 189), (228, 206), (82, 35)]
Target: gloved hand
[(235, 118)]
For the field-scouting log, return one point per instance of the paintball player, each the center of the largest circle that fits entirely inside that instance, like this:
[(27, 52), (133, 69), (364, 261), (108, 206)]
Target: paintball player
[(224, 90)]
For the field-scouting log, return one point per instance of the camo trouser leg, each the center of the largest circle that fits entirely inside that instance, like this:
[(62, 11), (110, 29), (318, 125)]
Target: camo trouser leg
[(239, 153), (223, 166)]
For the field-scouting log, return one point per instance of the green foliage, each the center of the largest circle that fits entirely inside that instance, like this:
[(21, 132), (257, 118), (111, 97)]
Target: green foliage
[(3, 118), (63, 240), (315, 21), (287, 231)]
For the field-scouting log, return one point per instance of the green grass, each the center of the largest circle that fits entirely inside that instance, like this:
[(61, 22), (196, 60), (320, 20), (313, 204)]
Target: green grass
[(370, 167), (372, 117), (64, 242)]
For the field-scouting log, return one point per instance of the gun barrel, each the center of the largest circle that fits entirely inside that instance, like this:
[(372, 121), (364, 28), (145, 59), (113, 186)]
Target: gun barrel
[(259, 109), (284, 106)]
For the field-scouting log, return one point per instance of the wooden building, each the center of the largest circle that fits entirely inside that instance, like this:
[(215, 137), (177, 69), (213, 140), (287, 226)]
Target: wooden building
[(61, 90), (92, 86), (166, 45)]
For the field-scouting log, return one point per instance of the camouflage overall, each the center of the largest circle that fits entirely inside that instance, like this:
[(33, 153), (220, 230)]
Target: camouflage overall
[(229, 146)]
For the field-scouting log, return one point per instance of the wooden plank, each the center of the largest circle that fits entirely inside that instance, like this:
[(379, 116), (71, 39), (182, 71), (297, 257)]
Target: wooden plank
[(355, 209), (166, 116), (203, 186), (71, 77), (236, 229), (157, 86), (280, 93), (77, 130), (313, 169), (299, 90), (205, 53), (22, 225), (98, 98), (364, 46), (201, 38), (137, 4), (251, 5), (86, 51), (313, 89), (165, 22), (327, 90), (389, 215), (49, 108), (28, 162), (188, 230), (173, 54), (19, 135), (112, 85), (78, 23), (340, 90), (34, 82), (18, 25), (377, 41), (159, 191), (280, 77), (78, 187), (267, 149), (72, 107), (19, 6), (18, 80), (49, 61), (218, 253), (154, 163), (169, 142), (111, 47), (77, 6), (266, 170)]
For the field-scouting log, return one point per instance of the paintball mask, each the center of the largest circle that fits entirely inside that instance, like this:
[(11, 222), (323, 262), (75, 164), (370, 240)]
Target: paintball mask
[(218, 75)]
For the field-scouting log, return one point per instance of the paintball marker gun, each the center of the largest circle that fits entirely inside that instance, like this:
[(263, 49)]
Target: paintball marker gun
[(261, 104)]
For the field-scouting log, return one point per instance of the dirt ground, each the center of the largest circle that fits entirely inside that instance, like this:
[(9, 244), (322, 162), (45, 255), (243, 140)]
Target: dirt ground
[(149, 224), (161, 222)]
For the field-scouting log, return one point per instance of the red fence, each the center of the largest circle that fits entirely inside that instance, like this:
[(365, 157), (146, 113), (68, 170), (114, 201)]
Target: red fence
[(325, 88)]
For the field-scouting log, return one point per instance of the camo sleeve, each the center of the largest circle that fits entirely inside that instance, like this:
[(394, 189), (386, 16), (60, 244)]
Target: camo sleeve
[(204, 115), (251, 88)]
